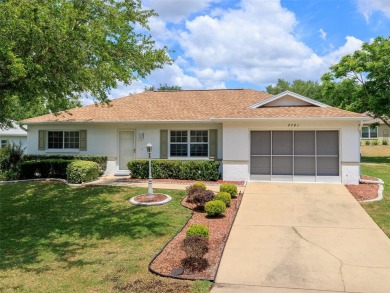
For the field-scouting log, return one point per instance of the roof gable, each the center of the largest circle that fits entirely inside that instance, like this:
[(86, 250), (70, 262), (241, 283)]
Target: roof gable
[(288, 99)]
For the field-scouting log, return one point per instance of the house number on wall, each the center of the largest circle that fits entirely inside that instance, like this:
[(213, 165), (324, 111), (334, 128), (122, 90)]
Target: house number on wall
[(293, 125)]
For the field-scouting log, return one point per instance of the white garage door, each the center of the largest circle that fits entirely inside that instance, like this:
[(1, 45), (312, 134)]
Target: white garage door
[(295, 155)]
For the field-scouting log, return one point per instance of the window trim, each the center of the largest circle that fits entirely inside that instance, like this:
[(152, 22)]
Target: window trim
[(63, 140), (189, 143), (369, 132)]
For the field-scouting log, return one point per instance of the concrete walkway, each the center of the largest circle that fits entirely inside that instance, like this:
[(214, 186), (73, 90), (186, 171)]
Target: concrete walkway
[(291, 237)]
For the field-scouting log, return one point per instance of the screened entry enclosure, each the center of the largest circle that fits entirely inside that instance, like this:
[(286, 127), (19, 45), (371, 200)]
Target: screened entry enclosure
[(295, 155)]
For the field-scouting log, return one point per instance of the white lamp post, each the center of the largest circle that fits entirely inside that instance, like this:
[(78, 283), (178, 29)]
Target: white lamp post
[(150, 187)]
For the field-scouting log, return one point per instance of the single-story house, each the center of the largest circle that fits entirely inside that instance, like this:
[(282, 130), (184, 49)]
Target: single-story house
[(256, 136), (14, 135), (379, 132)]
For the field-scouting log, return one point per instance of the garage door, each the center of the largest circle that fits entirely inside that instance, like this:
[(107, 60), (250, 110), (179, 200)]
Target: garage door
[(295, 155)]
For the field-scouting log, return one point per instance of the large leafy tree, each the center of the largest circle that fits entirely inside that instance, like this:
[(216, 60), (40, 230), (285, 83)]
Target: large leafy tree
[(53, 52), (361, 81), (310, 89)]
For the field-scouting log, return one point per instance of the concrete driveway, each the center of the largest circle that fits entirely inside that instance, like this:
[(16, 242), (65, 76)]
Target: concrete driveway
[(291, 237)]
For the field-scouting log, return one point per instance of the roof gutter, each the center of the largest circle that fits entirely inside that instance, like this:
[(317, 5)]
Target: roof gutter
[(290, 118), (119, 122)]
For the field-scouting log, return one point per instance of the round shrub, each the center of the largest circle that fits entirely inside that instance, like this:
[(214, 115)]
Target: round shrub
[(194, 264), (195, 246), (198, 187), (229, 188), (225, 197), (201, 185), (201, 197), (198, 230), (82, 171), (215, 208)]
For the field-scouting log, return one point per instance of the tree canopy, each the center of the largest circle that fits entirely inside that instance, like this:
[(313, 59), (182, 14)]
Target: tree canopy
[(361, 81), (310, 89), (163, 87), (54, 52)]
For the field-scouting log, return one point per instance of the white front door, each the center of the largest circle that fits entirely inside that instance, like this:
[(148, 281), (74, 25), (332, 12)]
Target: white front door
[(126, 148)]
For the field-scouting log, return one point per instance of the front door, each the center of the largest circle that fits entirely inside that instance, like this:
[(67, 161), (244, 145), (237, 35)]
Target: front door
[(126, 148)]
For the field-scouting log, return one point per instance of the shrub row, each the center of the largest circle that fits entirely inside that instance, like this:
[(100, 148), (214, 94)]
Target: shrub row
[(71, 170), (82, 171), (101, 160), (50, 168), (189, 170)]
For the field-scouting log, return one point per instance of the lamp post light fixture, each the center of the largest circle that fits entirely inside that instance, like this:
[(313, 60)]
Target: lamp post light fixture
[(150, 186)]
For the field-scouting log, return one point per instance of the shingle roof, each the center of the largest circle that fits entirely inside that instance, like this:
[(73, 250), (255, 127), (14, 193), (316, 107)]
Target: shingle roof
[(194, 105)]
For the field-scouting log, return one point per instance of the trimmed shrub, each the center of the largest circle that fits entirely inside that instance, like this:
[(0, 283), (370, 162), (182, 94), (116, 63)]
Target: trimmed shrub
[(215, 208), (166, 169), (200, 185), (201, 197), (101, 160), (374, 142), (225, 197), (194, 264), (198, 230), (229, 188), (82, 171), (11, 156), (200, 170), (385, 142), (367, 142), (193, 189), (52, 168), (195, 246)]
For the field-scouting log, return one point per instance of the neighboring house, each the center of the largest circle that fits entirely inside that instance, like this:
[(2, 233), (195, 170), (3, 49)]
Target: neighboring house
[(378, 133), (14, 135), (255, 135)]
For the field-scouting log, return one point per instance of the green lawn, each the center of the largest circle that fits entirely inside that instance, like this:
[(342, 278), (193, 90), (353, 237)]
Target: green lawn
[(379, 211), (56, 238)]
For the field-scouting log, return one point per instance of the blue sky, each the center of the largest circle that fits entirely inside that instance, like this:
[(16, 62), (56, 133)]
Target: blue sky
[(252, 43)]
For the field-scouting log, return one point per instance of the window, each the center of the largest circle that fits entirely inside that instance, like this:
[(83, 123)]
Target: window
[(368, 132), (179, 143), (63, 139), (196, 146), (199, 143), (4, 143)]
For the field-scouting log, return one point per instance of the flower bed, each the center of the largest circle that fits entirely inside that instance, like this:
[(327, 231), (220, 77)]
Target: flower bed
[(364, 191), (170, 257)]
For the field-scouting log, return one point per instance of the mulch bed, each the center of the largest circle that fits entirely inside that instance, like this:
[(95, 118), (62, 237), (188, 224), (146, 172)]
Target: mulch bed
[(170, 258), (364, 191), (157, 197), (179, 181)]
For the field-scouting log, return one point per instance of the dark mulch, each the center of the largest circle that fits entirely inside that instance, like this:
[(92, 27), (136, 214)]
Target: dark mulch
[(219, 228), (179, 181), (157, 197), (364, 191)]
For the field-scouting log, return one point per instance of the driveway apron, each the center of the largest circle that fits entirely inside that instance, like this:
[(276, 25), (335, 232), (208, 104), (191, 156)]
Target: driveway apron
[(293, 237)]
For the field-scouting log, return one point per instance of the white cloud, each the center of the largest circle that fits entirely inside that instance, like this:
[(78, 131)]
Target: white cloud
[(368, 7), (351, 45), (176, 10), (254, 43), (173, 75), (322, 34)]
